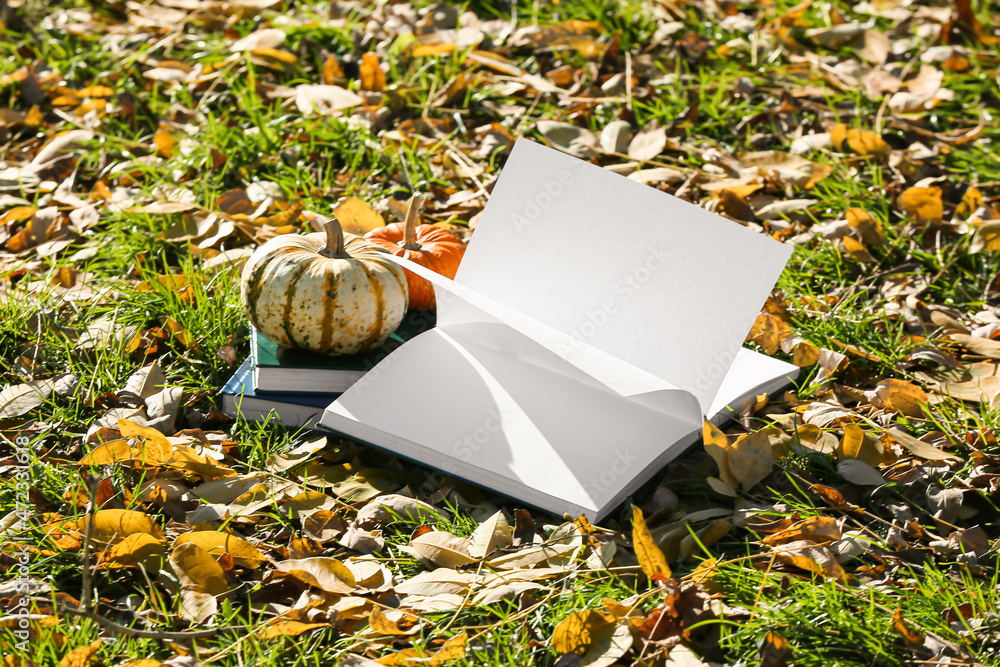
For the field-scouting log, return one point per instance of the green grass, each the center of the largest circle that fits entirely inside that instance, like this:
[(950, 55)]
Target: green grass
[(316, 160)]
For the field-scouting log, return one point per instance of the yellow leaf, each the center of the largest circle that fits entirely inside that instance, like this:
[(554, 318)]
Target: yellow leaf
[(287, 217), (217, 543), (425, 50), (322, 572), (290, 629), (859, 445), (332, 71), (805, 354), (751, 459), (114, 526), (922, 204), (137, 549), (862, 142), (868, 227), (276, 54), (818, 529), (453, 649), (17, 214), (808, 556), (651, 559), (971, 202), (164, 143), (372, 76), (384, 626), (576, 632), (96, 91), (115, 451), (171, 282), (357, 217), (142, 662), (153, 447), (717, 446), (857, 250), (707, 536), (902, 396), (81, 657), (197, 570), (768, 331)]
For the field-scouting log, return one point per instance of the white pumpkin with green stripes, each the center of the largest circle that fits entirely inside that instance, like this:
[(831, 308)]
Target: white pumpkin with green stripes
[(326, 292)]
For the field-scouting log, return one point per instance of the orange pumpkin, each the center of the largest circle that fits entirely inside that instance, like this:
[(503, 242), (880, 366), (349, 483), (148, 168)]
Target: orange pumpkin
[(437, 249)]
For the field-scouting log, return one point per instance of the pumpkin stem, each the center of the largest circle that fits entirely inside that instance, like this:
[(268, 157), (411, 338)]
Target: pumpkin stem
[(334, 240), (410, 223)]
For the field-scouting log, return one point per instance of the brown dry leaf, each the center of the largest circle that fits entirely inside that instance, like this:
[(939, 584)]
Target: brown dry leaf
[(202, 581), (577, 632), (357, 217), (982, 346), (922, 204), (648, 143), (920, 448), (860, 473), (909, 634), (775, 650), (972, 201), (279, 55), (81, 657), (571, 139), (651, 558), (818, 529), (442, 548), (490, 535), (217, 544), (986, 238), (266, 38), (372, 75), (807, 556), (17, 399)]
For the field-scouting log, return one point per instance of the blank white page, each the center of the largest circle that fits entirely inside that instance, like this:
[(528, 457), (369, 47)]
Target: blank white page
[(519, 426), (648, 278)]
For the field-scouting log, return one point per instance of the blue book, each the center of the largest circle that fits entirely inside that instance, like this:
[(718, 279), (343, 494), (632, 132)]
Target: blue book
[(241, 400)]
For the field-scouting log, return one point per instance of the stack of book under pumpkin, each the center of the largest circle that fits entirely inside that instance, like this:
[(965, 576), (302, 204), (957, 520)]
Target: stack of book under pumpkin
[(293, 386)]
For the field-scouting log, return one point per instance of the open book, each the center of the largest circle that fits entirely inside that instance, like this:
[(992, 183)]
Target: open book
[(593, 322)]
